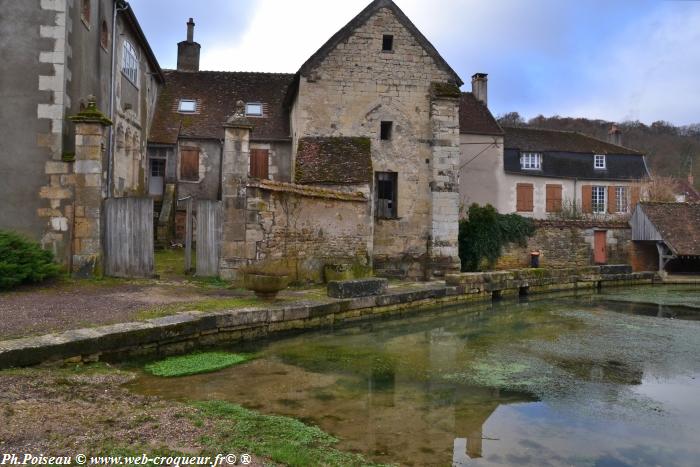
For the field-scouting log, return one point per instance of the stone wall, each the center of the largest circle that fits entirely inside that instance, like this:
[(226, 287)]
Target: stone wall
[(349, 93), (568, 244)]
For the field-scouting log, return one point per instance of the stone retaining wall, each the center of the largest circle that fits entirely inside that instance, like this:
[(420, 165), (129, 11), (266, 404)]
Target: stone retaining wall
[(186, 331)]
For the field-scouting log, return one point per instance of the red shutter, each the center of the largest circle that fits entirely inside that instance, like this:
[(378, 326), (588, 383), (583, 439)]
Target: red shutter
[(587, 199), (524, 197), (189, 164), (259, 163), (553, 203), (612, 199)]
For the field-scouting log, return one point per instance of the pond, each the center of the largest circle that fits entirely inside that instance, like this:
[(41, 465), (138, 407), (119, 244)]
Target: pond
[(607, 379)]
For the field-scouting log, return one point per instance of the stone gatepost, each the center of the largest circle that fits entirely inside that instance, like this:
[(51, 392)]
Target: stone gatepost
[(444, 187), (90, 125), (234, 178)]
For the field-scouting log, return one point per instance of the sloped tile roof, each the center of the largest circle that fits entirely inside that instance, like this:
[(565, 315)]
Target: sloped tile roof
[(216, 94), (678, 224), (475, 117), (683, 187), (536, 139), (334, 161)]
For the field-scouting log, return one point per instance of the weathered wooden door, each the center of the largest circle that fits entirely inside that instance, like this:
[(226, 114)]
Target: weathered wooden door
[(157, 176), (600, 252), (129, 237), (209, 215)]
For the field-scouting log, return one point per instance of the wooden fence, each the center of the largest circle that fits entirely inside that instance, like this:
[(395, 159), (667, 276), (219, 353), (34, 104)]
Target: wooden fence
[(209, 215), (129, 237)]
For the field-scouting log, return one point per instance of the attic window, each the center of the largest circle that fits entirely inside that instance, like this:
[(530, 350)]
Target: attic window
[(385, 131), (187, 105), (387, 43), (599, 161), (531, 161), (254, 109)]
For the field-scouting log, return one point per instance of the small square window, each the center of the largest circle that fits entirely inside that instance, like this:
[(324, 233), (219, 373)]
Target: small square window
[(254, 109), (599, 161), (385, 130), (187, 105), (387, 43), (531, 161)]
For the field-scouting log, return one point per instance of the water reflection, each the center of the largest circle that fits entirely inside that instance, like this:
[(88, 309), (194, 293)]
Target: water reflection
[(441, 388)]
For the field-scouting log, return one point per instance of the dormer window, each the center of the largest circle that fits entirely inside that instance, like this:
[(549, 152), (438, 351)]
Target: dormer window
[(254, 109), (187, 105), (531, 161), (599, 161), (387, 43)]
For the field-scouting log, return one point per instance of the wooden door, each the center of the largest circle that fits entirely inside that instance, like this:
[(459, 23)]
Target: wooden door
[(600, 253)]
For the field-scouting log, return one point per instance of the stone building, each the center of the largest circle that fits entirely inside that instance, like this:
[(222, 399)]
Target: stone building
[(61, 52), (375, 111)]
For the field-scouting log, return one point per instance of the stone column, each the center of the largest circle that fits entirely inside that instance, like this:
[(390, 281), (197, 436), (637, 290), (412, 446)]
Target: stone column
[(444, 186), (90, 126), (234, 177)]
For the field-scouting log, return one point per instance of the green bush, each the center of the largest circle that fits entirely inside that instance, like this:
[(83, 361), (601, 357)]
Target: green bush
[(23, 261), (484, 233)]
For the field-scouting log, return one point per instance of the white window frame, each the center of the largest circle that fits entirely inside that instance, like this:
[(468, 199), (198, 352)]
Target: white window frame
[(187, 110), (599, 201), (253, 114), (599, 161), (531, 161), (130, 62), (622, 203)]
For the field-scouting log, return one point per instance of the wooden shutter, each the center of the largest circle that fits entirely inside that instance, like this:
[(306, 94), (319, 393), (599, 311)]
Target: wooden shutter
[(189, 164), (553, 202), (634, 196), (524, 197), (587, 198), (612, 199), (259, 163)]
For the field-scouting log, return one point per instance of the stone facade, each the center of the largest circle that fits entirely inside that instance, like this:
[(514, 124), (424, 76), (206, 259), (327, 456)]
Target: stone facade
[(569, 244), (354, 88)]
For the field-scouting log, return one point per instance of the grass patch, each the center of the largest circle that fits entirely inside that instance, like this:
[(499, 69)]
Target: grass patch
[(281, 439), (192, 364), (170, 262)]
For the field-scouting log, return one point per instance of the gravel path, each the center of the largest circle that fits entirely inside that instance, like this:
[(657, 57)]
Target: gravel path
[(61, 307)]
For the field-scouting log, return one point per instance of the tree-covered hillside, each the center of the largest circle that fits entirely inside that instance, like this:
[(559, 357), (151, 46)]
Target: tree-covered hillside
[(671, 150)]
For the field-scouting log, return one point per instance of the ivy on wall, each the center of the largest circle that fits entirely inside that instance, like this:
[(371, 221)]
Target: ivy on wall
[(484, 233)]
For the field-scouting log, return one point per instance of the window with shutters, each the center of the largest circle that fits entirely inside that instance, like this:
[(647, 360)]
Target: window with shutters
[(598, 199), (524, 197), (621, 198), (189, 164), (259, 163), (553, 198), (387, 194)]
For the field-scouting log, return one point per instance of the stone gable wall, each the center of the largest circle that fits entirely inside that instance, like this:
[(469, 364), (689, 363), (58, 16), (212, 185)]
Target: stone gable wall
[(348, 94)]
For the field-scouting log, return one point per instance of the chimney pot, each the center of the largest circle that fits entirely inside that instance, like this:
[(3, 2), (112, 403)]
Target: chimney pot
[(480, 87), (615, 135), (190, 31)]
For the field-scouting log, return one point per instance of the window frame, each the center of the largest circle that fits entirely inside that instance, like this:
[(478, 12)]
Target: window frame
[(387, 38), (599, 157), (130, 62), (250, 114), (104, 35), (531, 160), (392, 209), (386, 130), (194, 106), (599, 205), (622, 202)]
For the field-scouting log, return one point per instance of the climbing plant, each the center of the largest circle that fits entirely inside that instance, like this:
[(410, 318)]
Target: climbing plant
[(484, 233)]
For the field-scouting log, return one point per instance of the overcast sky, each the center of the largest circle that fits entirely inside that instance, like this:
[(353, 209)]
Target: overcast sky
[(616, 60)]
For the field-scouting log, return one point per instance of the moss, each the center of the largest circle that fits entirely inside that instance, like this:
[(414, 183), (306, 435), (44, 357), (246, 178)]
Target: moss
[(68, 156), (445, 90), (196, 363)]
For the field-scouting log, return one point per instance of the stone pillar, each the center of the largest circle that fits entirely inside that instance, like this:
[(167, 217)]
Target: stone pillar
[(444, 186), (90, 126), (234, 177)]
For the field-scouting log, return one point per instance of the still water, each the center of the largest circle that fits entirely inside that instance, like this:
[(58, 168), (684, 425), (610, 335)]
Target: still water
[(608, 380)]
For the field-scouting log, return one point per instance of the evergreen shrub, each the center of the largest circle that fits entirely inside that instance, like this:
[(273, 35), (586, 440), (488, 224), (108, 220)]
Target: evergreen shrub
[(23, 261)]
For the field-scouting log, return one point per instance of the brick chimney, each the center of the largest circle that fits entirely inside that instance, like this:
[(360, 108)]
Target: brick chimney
[(480, 87), (615, 135), (188, 51)]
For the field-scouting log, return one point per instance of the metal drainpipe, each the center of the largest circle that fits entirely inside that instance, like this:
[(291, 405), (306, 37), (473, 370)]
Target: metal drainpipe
[(110, 156)]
